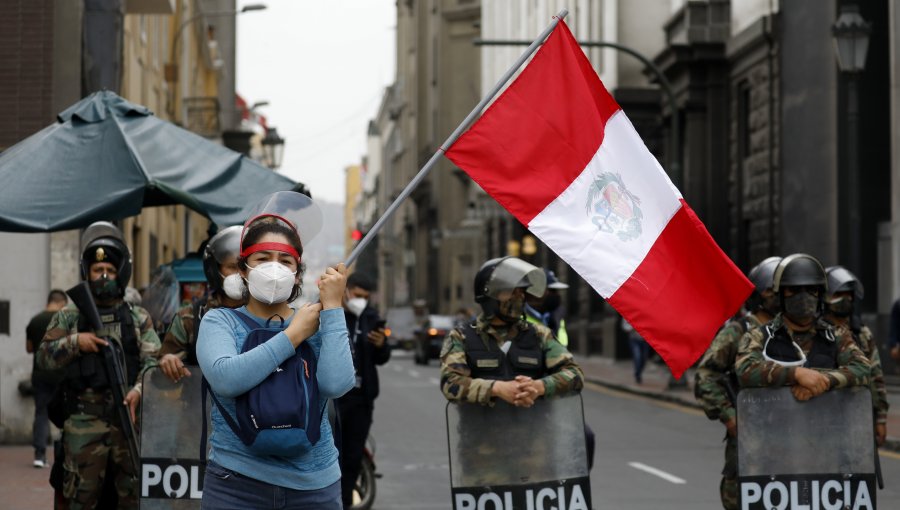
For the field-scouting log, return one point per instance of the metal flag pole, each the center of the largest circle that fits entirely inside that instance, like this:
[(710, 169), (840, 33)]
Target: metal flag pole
[(452, 139)]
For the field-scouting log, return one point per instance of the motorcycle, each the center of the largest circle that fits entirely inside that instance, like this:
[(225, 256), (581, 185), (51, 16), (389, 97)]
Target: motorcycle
[(364, 490)]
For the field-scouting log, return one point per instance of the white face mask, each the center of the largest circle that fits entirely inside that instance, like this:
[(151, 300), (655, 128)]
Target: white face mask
[(271, 282), (233, 286), (357, 305)]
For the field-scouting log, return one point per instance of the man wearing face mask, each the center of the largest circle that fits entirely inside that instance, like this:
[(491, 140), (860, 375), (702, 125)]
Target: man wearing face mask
[(94, 443), (355, 408), (798, 348), (548, 309), (715, 384), (501, 355), (844, 291), (226, 288)]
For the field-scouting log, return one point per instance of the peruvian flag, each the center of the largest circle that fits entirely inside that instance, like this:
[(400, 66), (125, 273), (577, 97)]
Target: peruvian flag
[(559, 154)]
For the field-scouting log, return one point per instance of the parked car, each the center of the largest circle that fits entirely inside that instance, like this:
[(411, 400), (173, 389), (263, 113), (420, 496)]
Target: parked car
[(430, 337)]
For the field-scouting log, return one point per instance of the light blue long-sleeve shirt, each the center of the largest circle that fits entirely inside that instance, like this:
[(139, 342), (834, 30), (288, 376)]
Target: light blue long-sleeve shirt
[(231, 373)]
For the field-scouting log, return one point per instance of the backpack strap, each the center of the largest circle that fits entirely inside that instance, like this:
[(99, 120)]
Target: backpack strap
[(249, 323), (232, 423)]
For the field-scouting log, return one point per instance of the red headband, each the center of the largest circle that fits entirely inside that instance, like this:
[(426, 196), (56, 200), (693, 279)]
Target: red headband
[(286, 248)]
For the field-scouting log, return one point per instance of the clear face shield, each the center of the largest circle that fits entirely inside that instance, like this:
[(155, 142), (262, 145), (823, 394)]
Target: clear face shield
[(799, 363), (512, 273), (295, 210)]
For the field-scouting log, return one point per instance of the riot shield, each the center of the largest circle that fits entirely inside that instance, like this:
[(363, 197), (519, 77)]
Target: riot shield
[(818, 454), (507, 457), (172, 469)]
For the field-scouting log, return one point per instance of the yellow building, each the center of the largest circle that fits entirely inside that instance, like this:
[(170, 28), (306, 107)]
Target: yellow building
[(353, 192)]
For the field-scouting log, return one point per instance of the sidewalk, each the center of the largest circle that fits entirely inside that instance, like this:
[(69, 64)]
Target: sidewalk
[(618, 375), (23, 487)]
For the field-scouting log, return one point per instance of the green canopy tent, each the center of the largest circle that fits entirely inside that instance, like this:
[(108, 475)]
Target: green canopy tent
[(107, 158)]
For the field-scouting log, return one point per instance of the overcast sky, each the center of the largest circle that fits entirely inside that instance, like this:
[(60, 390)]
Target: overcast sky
[(323, 67)]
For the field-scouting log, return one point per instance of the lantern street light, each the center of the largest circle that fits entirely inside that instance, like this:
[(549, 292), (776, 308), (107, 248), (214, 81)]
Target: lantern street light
[(851, 43), (273, 148)]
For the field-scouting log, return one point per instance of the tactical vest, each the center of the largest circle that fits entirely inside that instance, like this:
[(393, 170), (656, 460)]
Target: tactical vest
[(89, 370), (823, 353), (525, 356)]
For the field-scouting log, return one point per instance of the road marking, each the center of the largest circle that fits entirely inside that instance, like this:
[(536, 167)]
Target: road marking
[(657, 472), (414, 373), (434, 380), (631, 396)]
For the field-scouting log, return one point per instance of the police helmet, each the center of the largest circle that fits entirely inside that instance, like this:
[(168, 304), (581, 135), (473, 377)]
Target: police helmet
[(103, 242), (840, 279), (506, 273), (799, 270), (226, 243), (761, 275)]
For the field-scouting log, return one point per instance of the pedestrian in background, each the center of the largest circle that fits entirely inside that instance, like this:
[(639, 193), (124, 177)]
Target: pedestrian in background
[(369, 349), (894, 335), (640, 350), (43, 382)]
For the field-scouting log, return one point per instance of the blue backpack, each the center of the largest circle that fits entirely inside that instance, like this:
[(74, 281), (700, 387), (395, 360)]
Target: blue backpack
[(280, 416)]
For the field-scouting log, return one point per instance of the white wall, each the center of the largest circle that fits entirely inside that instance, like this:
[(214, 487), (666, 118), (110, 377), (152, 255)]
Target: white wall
[(25, 277)]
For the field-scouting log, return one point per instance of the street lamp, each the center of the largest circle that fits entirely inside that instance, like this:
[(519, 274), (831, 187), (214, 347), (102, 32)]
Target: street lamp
[(851, 43), (171, 69), (273, 148)]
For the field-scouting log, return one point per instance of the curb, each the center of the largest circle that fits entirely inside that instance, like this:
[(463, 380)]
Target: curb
[(891, 444)]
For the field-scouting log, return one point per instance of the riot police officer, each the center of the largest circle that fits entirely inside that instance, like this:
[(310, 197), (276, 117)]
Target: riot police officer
[(844, 293), (715, 384), (501, 355), (94, 436), (798, 348), (226, 288)]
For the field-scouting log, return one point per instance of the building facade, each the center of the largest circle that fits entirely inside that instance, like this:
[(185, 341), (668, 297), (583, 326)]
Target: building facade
[(51, 55)]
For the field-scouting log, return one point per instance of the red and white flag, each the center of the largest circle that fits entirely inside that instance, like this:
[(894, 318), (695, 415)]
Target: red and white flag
[(559, 154)]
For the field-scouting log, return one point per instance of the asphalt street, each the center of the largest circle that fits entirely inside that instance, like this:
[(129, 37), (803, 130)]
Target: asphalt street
[(650, 454)]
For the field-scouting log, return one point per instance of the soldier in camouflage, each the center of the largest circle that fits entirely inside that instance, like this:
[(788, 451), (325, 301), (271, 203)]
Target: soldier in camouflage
[(226, 288), (844, 292), (502, 355), (715, 384), (799, 348), (95, 445)]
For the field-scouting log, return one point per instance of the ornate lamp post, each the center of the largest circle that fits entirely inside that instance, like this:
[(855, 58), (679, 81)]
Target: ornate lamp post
[(273, 148), (851, 43)]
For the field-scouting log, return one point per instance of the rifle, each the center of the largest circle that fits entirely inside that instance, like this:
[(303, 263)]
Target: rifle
[(113, 356)]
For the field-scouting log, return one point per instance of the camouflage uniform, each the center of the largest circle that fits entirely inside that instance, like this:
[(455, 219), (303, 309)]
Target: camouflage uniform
[(179, 339), (94, 437), (754, 371), (715, 386), (866, 343), (457, 384)]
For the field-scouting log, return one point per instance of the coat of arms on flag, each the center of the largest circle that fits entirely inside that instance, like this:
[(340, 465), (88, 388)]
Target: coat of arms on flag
[(613, 208)]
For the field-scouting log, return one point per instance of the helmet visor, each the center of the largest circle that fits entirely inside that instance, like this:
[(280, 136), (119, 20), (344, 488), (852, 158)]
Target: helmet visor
[(295, 209), (840, 279), (512, 273), (225, 244), (100, 230)]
